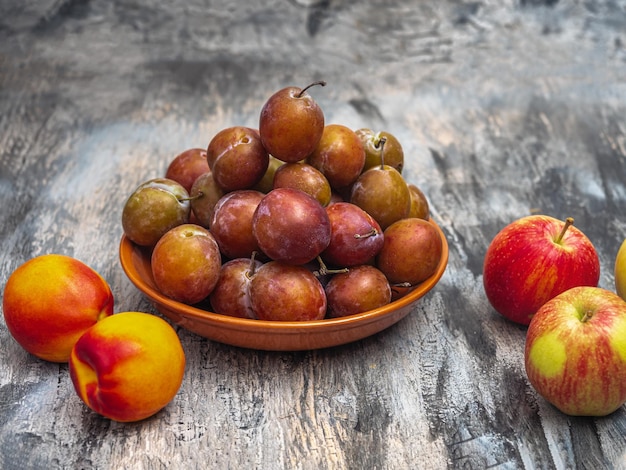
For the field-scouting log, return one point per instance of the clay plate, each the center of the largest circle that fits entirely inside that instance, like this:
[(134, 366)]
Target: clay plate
[(272, 335)]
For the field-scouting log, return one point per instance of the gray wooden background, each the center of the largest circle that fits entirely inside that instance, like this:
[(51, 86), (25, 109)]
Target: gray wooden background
[(504, 108)]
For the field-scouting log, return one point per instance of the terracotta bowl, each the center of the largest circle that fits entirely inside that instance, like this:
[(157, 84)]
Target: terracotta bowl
[(272, 335)]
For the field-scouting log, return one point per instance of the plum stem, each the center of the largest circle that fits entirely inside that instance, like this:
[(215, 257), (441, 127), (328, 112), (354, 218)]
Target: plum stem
[(252, 269), (568, 223), (323, 270), (319, 82), (373, 232), (191, 198), (382, 154)]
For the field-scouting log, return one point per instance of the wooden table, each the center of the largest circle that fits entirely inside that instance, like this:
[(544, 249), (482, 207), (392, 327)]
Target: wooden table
[(503, 111)]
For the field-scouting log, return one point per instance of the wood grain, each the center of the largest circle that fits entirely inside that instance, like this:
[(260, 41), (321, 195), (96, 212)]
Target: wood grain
[(504, 109)]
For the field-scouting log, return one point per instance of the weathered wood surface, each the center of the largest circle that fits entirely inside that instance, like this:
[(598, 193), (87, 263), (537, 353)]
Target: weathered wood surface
[(504, 109)]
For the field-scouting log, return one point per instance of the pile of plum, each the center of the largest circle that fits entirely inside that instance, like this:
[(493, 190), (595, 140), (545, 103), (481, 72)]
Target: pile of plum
[(296, 220)]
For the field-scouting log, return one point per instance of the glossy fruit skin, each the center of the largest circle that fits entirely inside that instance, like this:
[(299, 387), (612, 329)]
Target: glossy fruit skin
[(411, 251), (291, 124), (284, 292), (266, 184), (394, 153), (231, 293), (50, 301), (153, 208), (620, 271), (291, 226), (232, 223), (304, 177), (186, 263), (187, 166), (237, 158), (356, 238), (339, 155), (419, 203), (524, 267), (575, 352), (205, 192), (360, 289), (382, 193), (128, 366)]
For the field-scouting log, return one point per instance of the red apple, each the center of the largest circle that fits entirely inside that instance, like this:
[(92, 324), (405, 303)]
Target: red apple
[(532, 260), (575, 354)]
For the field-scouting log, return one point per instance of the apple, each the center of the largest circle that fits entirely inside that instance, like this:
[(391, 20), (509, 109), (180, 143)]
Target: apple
[(186, 263), (50, 301), (128, 366), (620, 271), (575, 352), (532, 260)]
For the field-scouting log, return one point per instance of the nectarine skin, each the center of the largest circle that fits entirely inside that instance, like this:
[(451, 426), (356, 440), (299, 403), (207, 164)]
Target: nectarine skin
[(128, 366), (50, 301)]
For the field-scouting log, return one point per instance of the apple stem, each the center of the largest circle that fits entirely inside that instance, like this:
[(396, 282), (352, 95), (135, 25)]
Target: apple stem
[(373, 232), (568, 223), (382, 156), (587, 316), (319, 82), (323, 270)]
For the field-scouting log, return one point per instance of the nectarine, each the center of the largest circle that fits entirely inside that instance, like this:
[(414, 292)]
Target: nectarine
[(128, 366), (50, 301)]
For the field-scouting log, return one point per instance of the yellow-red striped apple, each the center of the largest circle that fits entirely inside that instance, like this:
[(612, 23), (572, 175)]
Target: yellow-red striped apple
[(575, 354)]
